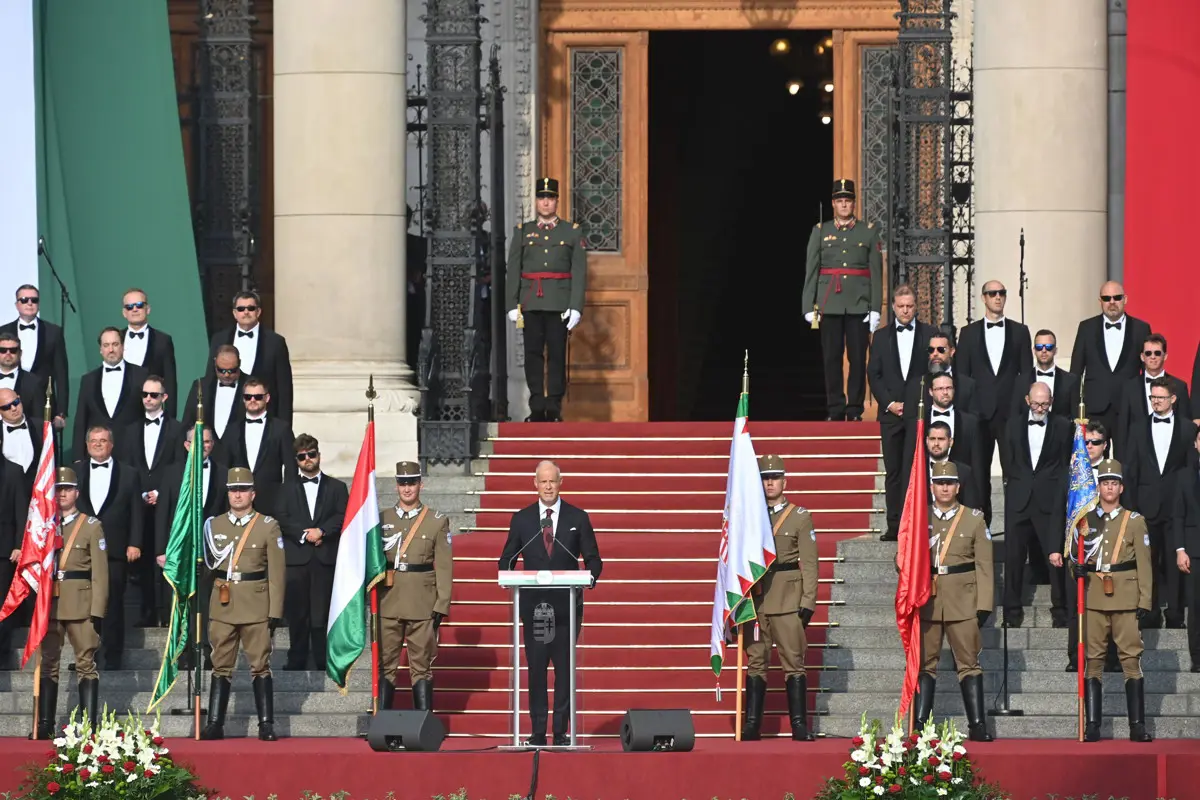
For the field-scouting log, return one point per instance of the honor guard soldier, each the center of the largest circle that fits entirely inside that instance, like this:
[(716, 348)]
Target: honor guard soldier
[(546, 281), (415, 596), (784, 605), (1117, 590), (960, 598), (80, 597), (244, 550), (843, 292)]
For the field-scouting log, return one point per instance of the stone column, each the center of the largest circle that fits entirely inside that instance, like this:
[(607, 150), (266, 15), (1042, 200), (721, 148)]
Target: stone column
[(339, 222), (1041, 156)]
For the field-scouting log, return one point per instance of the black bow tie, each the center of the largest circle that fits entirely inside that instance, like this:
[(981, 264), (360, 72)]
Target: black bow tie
[(1108, 325), (249, 334), (31, 326), (1049, 374), (1040, 422), (907, 327), (1148, 378), (258, 421), (112, 369), (207, 464), (990, 325), (154, 421), (13, 376), (20, 427), (95, 465), (1161, 419), (941, 413), (138, 334), (310, 480)]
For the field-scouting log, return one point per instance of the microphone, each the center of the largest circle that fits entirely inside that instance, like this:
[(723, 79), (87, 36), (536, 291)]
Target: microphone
[(41, 245), (513, 560)]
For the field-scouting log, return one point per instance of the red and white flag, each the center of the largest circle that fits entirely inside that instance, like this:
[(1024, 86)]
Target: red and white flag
[(35, 570)]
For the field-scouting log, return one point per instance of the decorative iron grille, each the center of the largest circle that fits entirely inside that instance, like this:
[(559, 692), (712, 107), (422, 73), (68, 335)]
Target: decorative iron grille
[(878, 71), (596, 145)]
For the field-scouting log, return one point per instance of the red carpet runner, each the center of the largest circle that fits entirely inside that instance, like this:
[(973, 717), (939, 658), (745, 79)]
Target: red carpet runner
[(655, 492)]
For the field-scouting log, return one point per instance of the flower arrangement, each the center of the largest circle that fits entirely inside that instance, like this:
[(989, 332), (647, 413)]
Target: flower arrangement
[(926, 765), (116, 758)]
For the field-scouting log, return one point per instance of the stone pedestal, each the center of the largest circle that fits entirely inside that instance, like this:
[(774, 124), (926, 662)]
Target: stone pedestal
[(339, 121), (1041, 155)]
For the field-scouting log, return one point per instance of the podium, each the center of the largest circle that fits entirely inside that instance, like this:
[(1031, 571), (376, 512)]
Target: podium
[(564, 580)]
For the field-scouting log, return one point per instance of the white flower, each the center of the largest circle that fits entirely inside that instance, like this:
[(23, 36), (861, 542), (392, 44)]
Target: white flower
[(887, 759), (878, 790), (864, 782), (858, 756), (958, 748), (942, 792), (957, 781)]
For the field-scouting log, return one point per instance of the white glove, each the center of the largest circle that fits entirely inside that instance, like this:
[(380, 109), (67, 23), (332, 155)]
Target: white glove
[(512, 315), (572, 318), (872, 319), (808, 317)]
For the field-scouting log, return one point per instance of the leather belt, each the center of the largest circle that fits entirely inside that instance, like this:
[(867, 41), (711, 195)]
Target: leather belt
[(1125, 566), (242, 577), (789, 567), (957, 569), (73, 575), (844, 272), (403, 567), (548, 276)]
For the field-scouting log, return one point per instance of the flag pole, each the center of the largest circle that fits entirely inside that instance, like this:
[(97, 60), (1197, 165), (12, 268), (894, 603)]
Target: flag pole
[(197, 477), (373, 620), (737, 730), (1082, 421), (37, 665), (912, 711)]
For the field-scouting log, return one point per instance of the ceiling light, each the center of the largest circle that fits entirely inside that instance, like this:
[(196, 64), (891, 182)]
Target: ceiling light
[(826, 118), (781, 47), (819, 49), (795, 86), (828, 41), (828, 86)]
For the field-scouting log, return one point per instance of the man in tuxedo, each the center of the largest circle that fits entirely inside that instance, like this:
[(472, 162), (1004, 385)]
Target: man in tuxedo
[(109, 491), (1063, 385), (1035, 501), (550, 534), (215, 502), (110, 395), (14, 505), (1105, 357), (964, 432), (940, 352), (995, 353), (264, 353), (1185, 543), (149, 348), (262, 444), (223, 389), (313, 510), (1158, 455), (1135, 397), (43, 349), (20, 438), (150, 446), (895, 364), (28, 386), (939, 449)]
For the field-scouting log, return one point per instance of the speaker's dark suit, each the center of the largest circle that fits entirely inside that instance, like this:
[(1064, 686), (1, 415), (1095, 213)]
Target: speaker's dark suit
[(573, 539), (160, 361), (121, 517), (890, 385), (1151, 492), (1035, 502), (14, 505), (90, 408), (274, 455), (273, 364), (1135, 408), (50, 361), (1102, 384), (309, 566)]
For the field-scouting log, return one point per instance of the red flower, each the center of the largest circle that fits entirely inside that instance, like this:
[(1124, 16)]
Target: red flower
[(929, 779), (129, 766), (148, 773), (958, 756), (902, 772), (120, 734), (856, 741), (147, 733), (84, 774), (879, 779), (107, 769), (51, 754), (87, 749), (864, 771), (894, 788), (102, 759), (158, 741), (934, 742), (52, 787), (934, 761), (68, 768), (912, 737)]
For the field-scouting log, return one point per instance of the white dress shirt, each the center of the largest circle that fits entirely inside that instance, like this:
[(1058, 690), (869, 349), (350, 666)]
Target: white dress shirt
[(994, 339), (943, 415), (254, 437), (555, 512), (223, 407), (310, 493), (1114, 339), (153, 431), (247, 347), (29, 343), (1048, 380), (18, 445), (904, 346), (111, 381), (100, 480), (1146, 388), (205, 478), (135, 346), (1161, 434), (1037, 437)]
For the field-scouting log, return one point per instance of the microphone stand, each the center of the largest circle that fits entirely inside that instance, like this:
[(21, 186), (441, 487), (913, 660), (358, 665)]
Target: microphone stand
[(1024, 281), (64, 300)]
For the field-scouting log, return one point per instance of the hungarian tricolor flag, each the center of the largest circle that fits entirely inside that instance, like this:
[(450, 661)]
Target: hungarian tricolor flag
[(747, 544), (35, 570), (912, 589), (359, 567)]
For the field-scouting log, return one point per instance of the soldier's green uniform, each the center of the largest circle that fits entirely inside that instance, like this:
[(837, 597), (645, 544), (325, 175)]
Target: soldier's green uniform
[(246, 557), (784, 601), (415, 596), (961, 600), (844, 281), (546, 278), (1118, 580), (81, 595)]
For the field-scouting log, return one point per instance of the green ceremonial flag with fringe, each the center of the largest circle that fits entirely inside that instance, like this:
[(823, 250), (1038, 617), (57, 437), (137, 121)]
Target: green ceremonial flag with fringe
[(183, 552)]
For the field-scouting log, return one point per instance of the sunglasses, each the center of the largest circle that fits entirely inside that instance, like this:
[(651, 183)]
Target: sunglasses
[(1097, 442), (16, 402), (132, 306), (1146, 353), (1044, 348), (1112, 298), (307, 454), (10, 349), (223, 371), (245, 308), (29, 300), (933, 349), (996, 293), (248, 397), (155, 395)]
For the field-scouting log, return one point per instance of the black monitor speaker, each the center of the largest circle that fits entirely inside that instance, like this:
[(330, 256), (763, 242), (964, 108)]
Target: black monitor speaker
[(665, 730), (416, 731)]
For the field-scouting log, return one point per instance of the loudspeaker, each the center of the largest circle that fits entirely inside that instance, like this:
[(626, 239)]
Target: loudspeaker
[(417, 731), (652, 729)]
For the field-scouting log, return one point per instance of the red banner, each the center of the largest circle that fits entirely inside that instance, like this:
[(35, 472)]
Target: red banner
[(912, 559)]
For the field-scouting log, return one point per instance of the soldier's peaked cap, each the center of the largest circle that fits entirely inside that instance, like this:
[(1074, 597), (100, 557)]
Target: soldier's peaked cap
[(66, 477), (1109, 468), (945, 472), (546, 187), (770, 465), (407, 469), (843, 188), (239, 477)]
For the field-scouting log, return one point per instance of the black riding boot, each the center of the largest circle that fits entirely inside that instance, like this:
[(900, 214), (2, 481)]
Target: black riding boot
[(756, 695), (423, 695), (387, 693), (264, 703), (797, 697), (47, 709), (1093, 706), (972, 692), (1135, 702), (923, 701), (89, 699), (218, 704)]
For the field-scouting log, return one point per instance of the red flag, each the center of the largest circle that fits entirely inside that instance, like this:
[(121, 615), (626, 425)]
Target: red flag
[(912, 589), (35, 570)]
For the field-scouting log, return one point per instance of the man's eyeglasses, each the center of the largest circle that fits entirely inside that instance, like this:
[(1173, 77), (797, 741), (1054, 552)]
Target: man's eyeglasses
[(245, 308), (996, 293), (307, 454), (1096, 442), (1154, 397), (933, 349), (223, 371), (15, 402), (248, 397), (1044, 348), (1040, 406), (132, 306), (154, 395), (1146, 353), (29, 300), (1112, 298)]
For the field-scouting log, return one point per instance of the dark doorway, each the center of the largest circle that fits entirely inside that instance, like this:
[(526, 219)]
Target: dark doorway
[(740, 170)]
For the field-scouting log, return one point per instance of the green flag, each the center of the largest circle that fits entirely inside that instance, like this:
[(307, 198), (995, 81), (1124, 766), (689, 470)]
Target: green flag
[(183, 551)]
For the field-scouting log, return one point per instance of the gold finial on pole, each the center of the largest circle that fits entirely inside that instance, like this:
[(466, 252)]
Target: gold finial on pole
[(49, 393), (816, 312), (200, 403), (1082, 418), (921, 400), (371, 395), (746, 373)]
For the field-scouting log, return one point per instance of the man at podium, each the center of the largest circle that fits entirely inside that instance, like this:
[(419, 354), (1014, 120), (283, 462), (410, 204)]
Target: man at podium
[(549, 535)]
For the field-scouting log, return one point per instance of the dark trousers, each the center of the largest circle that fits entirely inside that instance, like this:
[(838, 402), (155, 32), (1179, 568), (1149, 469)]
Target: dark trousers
[(848, 334), (545, 644), (112, 631), (1021, 537), (991, 435), (155, 593), (891, 436), (306, 606), (1192, 587), (1169, 588), (545, 359), (19, 618)]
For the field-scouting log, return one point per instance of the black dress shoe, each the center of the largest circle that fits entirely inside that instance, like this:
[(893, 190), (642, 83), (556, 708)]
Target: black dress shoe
[(1195, 667), (835, 418), (536, 416), (889, 537), (1072, 666), (553, 416), (562, 740), (536, 740), (1014, 617), (112, 664), (1175, 623), (854, 418)]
